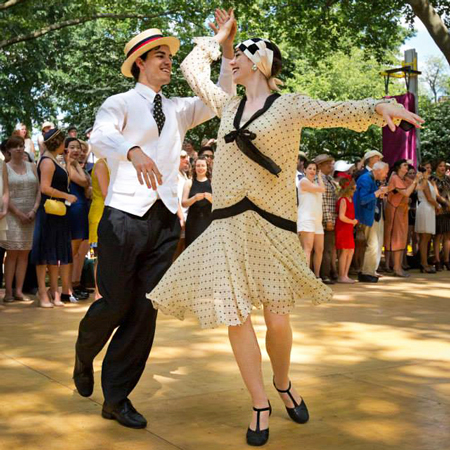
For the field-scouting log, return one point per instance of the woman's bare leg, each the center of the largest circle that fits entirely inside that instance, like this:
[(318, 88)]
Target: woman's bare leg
[(21, 270), (10, 270), (318, 253), (248, 357), (279, 346), (44, 301), (307, 242)]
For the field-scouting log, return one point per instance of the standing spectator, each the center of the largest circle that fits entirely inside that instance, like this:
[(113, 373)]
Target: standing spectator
[(309, 222), (24, 202), (78, 213), (345, 222), (4, 200), (183, 175), (396, 211), (72, 132), (442, 182), (100, 183), (207, 152), (412, 235), (51, 239), (343, 169), (369, 214), (301, 161), (46, 126), (425, 225), (197, 196), (23, 132), (190, 149), (325, 164), (371, 157)]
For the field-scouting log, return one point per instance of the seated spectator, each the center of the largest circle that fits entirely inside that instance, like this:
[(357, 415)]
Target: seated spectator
[(23, 204), (309, 221), (51, 240), (345, 222), (425, 220), (197, 196), (396, 214)]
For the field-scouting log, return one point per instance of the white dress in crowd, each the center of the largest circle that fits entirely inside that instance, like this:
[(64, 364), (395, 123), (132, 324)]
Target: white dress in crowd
[(425, 212), (310, 213)]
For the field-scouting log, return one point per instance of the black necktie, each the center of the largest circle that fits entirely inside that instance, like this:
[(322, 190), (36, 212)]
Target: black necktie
[(158, 114)]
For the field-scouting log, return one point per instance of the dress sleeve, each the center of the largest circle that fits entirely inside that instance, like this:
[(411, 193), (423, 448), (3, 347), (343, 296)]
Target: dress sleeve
[(356, 115), (196, 69)]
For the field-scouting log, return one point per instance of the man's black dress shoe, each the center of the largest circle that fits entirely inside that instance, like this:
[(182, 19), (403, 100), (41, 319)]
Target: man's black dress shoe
[(83, 377), (327, 280), (364, 278), (125, 413)]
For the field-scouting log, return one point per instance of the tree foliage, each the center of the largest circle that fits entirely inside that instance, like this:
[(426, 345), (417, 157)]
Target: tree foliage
[(70, 71), (435, 141)]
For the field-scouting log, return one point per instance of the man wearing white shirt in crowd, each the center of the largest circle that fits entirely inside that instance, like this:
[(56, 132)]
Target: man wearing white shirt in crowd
[(140, 132)]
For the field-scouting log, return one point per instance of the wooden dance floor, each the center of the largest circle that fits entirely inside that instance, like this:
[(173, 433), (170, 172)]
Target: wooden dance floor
[(373, 367)]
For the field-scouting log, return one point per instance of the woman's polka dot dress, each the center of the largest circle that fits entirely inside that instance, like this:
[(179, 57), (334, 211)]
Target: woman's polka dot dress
[(244, 261)]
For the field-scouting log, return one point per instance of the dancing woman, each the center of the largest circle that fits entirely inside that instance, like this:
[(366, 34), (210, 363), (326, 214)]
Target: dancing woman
[(250, 254)]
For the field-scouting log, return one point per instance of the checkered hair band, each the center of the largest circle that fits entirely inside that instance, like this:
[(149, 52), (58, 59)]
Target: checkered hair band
[(260, 52)]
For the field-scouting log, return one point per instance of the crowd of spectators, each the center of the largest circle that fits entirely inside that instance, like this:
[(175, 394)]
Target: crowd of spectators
[(358, 210), (348, 213)]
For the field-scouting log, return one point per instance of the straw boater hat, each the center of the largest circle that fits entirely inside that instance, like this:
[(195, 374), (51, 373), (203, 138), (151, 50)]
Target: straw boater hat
[(144, 42)]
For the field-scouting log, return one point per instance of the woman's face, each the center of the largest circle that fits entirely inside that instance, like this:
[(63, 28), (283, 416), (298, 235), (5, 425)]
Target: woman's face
[(440, 169), (241, 67), (83, 153), (74, 149), (17, 153), (23, 131), (411, 173), (201, 167), (311, 171), (403, 169), (428, 169)]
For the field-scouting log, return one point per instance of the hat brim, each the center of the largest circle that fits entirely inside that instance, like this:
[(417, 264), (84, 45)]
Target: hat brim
[(172, 42)]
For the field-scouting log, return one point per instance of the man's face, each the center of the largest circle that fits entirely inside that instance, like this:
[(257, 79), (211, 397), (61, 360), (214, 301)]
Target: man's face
[(184, 164), (300, 164), (371, 162), (209, 156), (327, 167), (157, 68), (381, 174), (73, 133)]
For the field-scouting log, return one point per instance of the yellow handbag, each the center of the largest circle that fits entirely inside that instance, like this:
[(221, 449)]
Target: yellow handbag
[(55, 207)]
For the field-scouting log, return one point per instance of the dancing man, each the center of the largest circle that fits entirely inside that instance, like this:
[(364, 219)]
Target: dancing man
[(140, 132)]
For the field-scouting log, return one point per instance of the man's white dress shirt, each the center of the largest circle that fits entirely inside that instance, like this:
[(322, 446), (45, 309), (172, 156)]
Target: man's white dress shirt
[(125, 121)]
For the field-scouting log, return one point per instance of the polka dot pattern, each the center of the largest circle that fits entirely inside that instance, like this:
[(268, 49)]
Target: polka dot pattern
[(158, 113), (244, 261)]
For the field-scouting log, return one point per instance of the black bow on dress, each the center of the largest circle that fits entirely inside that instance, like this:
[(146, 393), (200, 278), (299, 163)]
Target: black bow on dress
[(244, 137)]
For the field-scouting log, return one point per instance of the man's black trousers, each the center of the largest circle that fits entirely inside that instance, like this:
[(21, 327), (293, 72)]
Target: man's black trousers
[(133, 255)]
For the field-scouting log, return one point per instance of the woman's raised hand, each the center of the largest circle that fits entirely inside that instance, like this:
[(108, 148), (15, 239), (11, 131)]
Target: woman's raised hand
[(391, 111), (226, 27)]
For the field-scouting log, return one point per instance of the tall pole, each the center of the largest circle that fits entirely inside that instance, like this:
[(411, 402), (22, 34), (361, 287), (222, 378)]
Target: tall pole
[(411, 60)]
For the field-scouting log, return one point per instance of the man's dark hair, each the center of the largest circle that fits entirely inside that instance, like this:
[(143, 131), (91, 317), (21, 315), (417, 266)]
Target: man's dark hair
[(135, 71), (204, 149), (72, 128)]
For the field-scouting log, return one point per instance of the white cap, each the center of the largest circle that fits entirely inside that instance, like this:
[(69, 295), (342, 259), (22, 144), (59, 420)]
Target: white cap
[(342, 166)]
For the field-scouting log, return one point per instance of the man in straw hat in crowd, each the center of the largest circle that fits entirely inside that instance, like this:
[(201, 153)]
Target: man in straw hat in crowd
[(140, 132)]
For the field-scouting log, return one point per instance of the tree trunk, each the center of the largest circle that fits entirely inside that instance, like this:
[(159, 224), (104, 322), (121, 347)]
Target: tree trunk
[(434, 24)]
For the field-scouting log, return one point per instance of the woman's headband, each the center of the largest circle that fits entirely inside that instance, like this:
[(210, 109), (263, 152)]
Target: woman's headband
[(260, 52)]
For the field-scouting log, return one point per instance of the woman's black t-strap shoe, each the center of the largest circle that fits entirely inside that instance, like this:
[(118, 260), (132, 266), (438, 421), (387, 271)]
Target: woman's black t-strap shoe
[(299, 413), (258, 437)]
